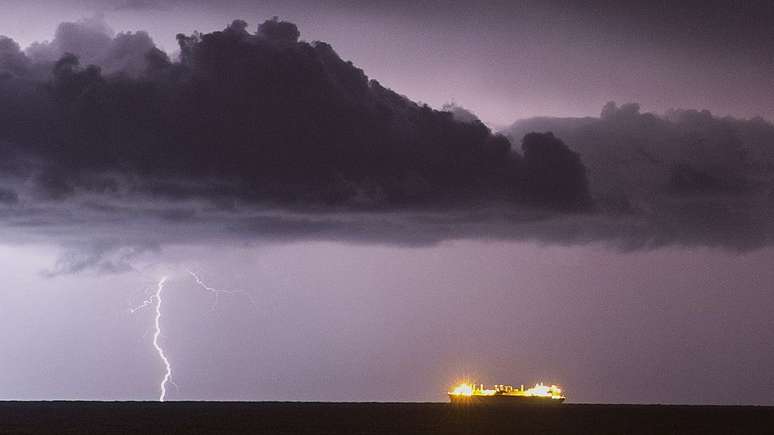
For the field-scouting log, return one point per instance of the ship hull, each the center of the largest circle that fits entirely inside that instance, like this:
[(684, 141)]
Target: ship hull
[(505, 400)]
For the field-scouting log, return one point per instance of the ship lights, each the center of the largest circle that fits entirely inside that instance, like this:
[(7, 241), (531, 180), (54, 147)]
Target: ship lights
[(462, 390), (540, 390), (466, 389)]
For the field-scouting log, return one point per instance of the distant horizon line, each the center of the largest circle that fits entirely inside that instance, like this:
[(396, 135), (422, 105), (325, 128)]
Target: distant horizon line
[(367, 402)]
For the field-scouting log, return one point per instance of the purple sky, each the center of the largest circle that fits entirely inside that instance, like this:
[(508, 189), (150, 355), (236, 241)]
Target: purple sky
[(341, 322), (672, 307)]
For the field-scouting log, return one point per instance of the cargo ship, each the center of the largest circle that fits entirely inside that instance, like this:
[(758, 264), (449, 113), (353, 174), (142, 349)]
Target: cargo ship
[(476, 394)]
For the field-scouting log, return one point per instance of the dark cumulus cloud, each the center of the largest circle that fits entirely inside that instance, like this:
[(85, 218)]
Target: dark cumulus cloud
[(93, 43), (689, 176), (255, 116), (113, 148)]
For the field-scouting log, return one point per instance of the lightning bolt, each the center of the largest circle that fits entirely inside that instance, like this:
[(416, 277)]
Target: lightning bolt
[(145, 303), (218, 292), (156, 335), (156, 301)]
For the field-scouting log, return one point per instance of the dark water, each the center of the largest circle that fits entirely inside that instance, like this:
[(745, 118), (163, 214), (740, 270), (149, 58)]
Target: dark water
[(374, 418)]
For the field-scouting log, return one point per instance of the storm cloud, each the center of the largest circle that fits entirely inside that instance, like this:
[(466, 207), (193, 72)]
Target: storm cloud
[(114, 148), (257, 115), (701, 179)]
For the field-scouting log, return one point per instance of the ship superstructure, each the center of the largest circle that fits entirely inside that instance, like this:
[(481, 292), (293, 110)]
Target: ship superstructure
[(469, 393)]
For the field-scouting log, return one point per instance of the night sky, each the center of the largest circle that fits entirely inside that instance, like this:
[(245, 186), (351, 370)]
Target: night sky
[(385, 212)]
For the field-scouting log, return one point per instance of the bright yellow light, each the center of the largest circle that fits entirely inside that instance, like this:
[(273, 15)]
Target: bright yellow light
[(462, 390), (465, 389), (541, 390)]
